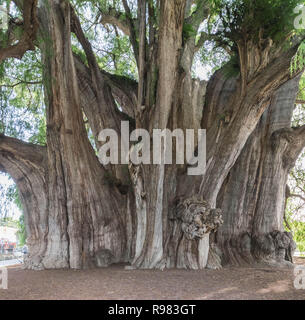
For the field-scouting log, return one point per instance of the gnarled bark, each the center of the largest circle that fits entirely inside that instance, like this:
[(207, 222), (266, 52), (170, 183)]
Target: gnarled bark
[(76, 222), (253, 196)]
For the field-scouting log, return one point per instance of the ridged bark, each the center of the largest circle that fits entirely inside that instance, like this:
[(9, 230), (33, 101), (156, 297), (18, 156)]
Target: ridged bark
[(253, 195)]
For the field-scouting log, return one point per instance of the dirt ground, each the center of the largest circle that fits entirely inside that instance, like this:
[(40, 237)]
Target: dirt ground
[(117, 283)]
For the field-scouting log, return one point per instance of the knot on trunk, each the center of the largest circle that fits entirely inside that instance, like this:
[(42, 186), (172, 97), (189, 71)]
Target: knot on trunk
[(104, 258), (197, 217), (33, 262), (277, 245)]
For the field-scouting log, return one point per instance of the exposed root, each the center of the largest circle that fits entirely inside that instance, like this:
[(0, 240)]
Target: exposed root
[(33, 263), (214, 259), (104, 258), (274, 249), (275, 246)]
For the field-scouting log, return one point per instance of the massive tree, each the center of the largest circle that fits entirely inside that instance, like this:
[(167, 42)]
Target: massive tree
[(80, 213), (254, 229)]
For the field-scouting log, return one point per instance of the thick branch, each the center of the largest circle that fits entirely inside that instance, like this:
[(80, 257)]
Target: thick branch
[(142, 52), (116, 18), (270, 61), (300, 132), (124, 89), (170, 45), (30, 27), (201, 13), (242, 111), (292, 195), (295, 138), (101, 89), (22, 151), (190, 47), (89, 100), (133, 31)]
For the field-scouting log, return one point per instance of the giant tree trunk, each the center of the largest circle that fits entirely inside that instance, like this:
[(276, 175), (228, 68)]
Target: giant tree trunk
[(84, 216), (25, 163), (253, 196), (72, 213)]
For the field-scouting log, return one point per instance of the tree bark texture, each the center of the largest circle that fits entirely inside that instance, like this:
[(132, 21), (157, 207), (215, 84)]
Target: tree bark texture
[(81, 214)]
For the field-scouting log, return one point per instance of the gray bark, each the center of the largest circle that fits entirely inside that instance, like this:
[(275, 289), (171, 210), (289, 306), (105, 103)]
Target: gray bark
[(72, 212), (253, 196)]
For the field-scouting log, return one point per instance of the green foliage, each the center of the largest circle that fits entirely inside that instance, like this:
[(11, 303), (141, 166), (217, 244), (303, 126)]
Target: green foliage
[(21, 233), (298, 62), (80, 53), (259, 19), (8, 222), (118, 58), (22, 114), (13, 15), (188, 31), (9, 198), (113, 49), (298, 230), (9, 195), (21, 99), (232, 21), (295, 209), (231, 68), (299, 234)]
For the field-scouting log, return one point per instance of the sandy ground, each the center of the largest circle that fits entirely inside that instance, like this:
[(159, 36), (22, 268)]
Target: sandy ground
[(116, 283)]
